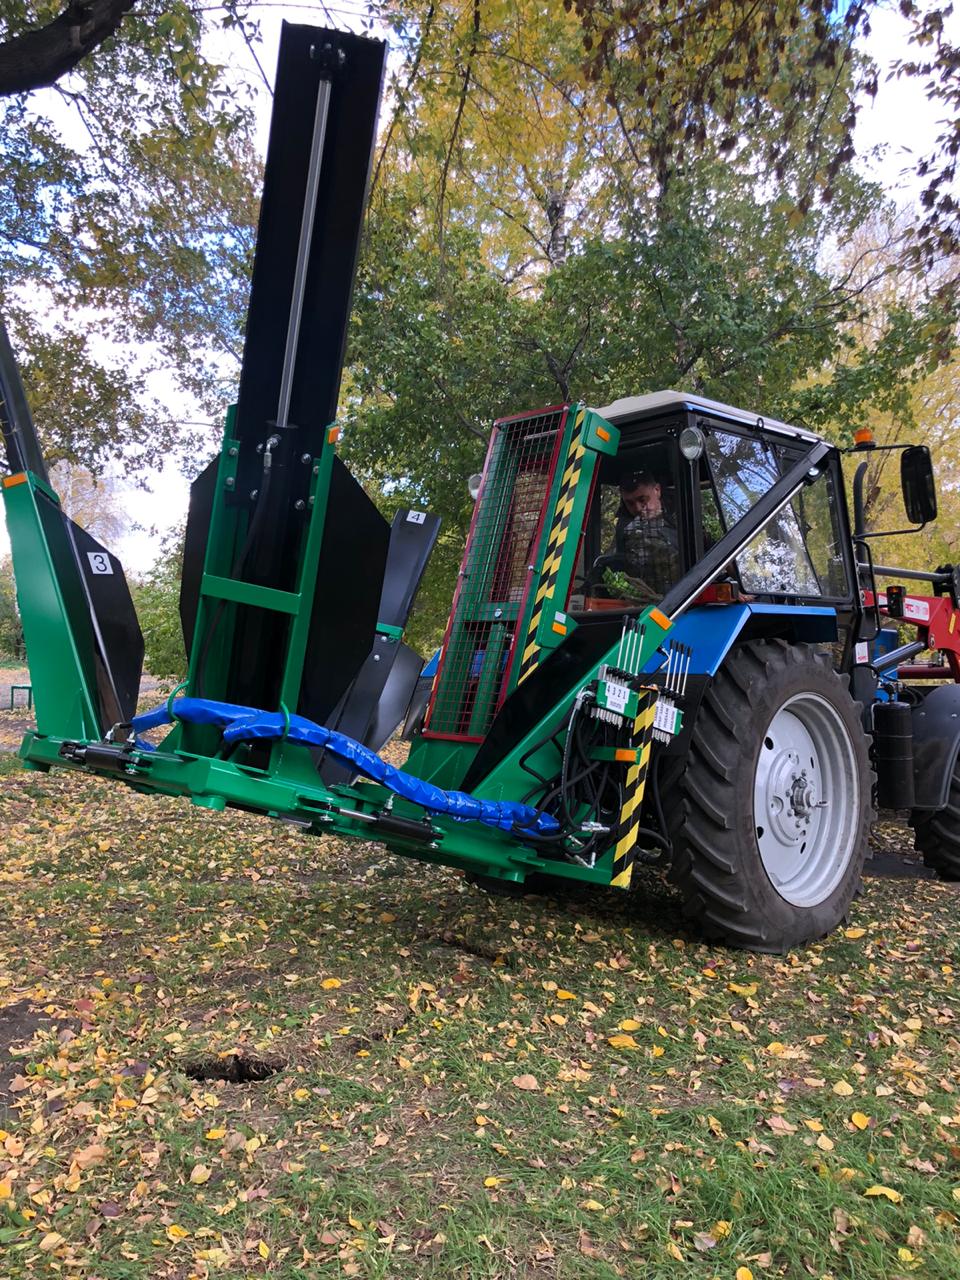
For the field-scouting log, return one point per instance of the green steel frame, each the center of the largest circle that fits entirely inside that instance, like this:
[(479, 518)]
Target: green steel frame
[(188, 761)]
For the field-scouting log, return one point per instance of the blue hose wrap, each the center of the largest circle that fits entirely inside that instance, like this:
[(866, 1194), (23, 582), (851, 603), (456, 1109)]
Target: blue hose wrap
[(241, 724)]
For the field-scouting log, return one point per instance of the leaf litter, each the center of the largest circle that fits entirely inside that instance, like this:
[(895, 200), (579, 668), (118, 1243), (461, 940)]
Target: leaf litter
[(470, 1086)]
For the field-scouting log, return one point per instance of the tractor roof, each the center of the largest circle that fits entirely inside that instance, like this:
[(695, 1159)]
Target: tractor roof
[(632, 407)]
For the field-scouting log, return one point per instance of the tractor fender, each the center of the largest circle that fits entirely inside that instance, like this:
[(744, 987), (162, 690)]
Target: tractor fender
[(712, 630), (936, 743)]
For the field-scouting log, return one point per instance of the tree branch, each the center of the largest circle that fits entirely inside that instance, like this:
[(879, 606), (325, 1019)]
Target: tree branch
[(38, 58)]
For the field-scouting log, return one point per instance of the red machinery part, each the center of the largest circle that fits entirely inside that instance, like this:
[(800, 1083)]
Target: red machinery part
[(938, 625)]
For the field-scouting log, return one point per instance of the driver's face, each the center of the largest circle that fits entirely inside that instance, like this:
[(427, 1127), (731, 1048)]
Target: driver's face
[(644, 501)]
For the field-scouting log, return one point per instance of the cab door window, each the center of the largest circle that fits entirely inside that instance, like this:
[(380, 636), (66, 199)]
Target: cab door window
[(798, 552)]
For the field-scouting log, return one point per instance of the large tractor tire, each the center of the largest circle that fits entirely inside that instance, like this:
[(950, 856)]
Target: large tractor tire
[(936, 833), (777, 801)]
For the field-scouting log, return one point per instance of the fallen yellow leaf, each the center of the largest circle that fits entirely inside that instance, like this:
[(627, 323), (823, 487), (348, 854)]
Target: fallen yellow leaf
[(859, 1120), (742, 989), (565, 995), (630, 1024), (888, 1192), (6, 1189), (176, 1232), (622, 1042), (331, 984), (263, 1250), (593, 1205), (658, 1051), (743, 1273), (854, 934), (214, 1134), (219, 1257), (492, 1181), (775, 1048), (825, 1143), (815, 1125), (843, 1089), (50, 1241), (199, 1174)]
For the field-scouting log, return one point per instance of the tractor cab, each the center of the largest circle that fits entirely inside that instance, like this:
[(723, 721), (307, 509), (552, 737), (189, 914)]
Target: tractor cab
[(686, 471)]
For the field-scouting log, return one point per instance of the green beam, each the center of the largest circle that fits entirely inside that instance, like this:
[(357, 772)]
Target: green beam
[(240, 592)]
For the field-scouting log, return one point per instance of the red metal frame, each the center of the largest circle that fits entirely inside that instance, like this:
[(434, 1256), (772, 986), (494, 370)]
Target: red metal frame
[(938, 625)]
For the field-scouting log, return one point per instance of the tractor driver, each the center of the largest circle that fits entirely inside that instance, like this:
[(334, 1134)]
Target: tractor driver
[(646, 550)]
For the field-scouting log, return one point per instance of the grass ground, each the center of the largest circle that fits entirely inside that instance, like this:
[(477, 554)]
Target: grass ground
[(459, 1086)]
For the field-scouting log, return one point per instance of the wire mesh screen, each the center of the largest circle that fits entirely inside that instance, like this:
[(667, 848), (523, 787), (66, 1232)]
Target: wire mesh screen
[(504, 541)]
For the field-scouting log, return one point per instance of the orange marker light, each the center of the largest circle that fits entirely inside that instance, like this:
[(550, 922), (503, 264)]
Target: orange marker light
[(559, 628), (603, 433), (660, 619), (863, 437), (625, 755), (333, 435), (19, 478)]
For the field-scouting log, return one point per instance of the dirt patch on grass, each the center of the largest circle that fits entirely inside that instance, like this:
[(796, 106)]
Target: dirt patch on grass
[(19, 1023)]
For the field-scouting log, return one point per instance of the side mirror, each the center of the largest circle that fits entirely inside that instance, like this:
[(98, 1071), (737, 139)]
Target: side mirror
[(916, 480)]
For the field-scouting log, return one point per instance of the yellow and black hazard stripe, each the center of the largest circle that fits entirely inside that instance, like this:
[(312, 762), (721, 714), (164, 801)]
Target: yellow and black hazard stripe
[(554, 553), (633, 788)]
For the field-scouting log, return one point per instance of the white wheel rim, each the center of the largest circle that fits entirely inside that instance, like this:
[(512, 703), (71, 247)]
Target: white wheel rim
[(806, 800)]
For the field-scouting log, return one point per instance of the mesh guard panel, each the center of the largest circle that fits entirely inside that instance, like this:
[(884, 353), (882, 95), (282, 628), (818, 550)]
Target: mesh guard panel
[(503, 547)]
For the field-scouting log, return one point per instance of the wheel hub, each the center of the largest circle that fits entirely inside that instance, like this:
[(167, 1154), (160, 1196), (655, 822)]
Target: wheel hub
[(791, 797)]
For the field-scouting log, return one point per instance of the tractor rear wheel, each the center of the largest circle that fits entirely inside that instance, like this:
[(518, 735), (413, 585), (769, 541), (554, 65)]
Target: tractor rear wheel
[(771, 835), (936, 833)]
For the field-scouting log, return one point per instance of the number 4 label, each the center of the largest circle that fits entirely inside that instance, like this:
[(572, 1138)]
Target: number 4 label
[(99, 562)]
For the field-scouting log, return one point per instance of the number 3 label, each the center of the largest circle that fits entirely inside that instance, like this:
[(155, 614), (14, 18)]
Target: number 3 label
[(99, 562)]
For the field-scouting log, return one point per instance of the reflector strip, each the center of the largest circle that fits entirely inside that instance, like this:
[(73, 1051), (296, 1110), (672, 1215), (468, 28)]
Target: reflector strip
[(19, 478), (660, 619), (633, 789)]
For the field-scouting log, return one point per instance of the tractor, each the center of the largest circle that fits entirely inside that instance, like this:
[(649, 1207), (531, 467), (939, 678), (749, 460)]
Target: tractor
[(667, 644)]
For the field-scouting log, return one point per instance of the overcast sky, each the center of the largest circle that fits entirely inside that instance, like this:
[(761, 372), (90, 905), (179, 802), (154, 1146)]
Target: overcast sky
[(901, 123)]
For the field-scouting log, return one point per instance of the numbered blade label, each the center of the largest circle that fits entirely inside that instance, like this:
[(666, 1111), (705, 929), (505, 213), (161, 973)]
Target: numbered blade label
[(99, 562)]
